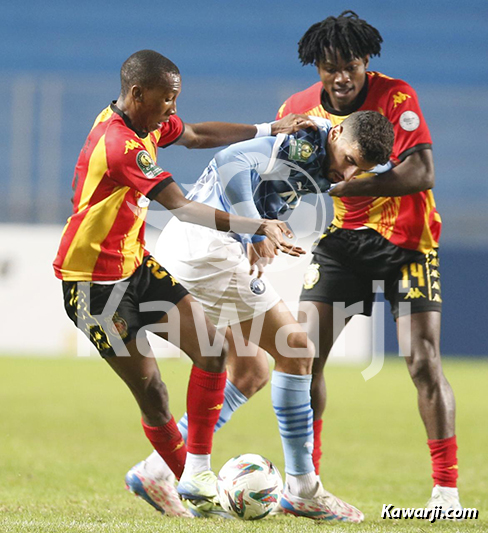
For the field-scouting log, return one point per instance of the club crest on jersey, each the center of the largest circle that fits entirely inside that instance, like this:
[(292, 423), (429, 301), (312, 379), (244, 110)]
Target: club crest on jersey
[(257, 286), (147, 165), (118, 326), (299, 150), (312, 275)]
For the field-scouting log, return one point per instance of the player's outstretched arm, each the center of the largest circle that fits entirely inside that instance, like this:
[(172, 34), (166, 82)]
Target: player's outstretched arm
[(214, 134), (414, 174), (172, 198)]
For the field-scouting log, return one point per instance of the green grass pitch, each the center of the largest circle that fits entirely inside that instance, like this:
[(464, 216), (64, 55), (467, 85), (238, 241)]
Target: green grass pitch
[(69, 431)]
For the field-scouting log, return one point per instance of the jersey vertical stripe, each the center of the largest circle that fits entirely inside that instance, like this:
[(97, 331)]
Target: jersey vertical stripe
[(104, 238), (410, 221)]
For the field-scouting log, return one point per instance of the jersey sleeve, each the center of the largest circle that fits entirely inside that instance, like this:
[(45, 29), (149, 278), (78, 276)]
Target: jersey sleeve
[(411, 130), (283, 110), (235, 165), (170, 131), (135, 167)]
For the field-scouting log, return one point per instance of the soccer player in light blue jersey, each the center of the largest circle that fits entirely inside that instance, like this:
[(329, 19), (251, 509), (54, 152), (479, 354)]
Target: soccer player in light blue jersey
[(264, 177)]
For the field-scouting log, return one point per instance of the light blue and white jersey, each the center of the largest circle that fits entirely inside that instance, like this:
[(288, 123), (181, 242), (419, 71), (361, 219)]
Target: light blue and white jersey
[(267, 176)]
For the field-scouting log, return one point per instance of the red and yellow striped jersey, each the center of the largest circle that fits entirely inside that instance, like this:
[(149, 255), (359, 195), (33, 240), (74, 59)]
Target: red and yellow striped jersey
[(410, 221), (115, 177)]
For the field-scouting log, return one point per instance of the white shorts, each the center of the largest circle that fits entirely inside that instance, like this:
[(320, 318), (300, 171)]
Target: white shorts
[(214, 268)]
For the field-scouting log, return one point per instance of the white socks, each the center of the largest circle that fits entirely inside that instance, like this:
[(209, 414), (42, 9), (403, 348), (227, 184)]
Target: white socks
[(195, 464), (303, 486), (450, 491)]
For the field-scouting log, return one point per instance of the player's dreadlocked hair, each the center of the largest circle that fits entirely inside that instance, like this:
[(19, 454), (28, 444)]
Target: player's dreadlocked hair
[(347, 34), (146, 68), (374, 134)]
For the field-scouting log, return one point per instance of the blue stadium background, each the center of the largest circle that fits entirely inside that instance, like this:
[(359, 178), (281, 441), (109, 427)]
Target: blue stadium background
[(59, 66)]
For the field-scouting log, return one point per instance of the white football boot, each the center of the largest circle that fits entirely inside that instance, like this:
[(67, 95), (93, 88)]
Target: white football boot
[(158, 491), (445, 498)]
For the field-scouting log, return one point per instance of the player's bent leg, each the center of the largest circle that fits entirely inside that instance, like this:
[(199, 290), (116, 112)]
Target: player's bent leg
[(418, 336), (286, 341), (422, 355), (207, 348), (318, 318), (248, 374), (141, 374)]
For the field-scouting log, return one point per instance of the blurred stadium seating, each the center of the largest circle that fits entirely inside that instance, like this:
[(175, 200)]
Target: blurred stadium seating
[(59, 67)]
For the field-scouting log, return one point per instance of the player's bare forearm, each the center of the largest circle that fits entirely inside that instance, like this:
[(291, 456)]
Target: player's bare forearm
[(414, 174), (172, 198), (214, 134)]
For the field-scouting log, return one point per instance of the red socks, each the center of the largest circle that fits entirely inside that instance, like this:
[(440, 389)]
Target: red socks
[(443, 453), (168, 442), (205, 399), (317, 444)]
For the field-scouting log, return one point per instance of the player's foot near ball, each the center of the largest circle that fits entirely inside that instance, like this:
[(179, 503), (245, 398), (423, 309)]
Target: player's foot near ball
[(200, 492), (446, 499), (159, 492), (321, 506)]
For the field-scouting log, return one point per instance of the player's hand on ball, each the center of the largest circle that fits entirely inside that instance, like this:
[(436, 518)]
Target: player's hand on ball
[(292, 123)]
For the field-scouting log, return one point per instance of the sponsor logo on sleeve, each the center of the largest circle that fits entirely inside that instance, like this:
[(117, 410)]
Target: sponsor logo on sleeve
[(147, 165), (409, 120)]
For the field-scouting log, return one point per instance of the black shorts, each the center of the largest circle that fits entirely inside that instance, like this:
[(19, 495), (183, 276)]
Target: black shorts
[(348, 266), (112, 315)]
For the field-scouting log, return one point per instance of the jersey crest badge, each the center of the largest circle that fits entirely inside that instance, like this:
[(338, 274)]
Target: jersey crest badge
[(118, 326), (147, 165), (299, 150)]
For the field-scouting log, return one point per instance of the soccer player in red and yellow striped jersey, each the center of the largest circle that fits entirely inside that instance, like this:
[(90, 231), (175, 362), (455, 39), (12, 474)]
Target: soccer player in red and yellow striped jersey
[(109, 278), (385, 227)]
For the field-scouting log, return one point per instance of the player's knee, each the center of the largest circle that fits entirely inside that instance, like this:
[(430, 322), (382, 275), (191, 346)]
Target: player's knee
[(299, 354), (301, 347), (425, 364), (214, 359)]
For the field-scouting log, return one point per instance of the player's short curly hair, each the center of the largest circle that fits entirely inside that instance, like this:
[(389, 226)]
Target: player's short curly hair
[(374, 134), (146, 68), (347, 34)]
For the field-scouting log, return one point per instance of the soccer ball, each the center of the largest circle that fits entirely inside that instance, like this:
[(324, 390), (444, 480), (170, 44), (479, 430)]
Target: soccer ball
[(249, 486)]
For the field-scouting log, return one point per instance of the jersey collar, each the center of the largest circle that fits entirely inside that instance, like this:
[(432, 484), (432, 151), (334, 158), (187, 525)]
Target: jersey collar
[(127, 121)]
